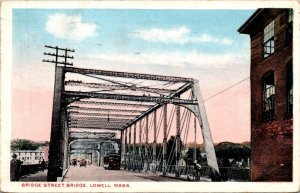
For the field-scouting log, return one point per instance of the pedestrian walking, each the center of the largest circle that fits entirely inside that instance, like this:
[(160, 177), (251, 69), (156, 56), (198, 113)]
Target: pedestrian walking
[(74, 162), (15, 168), (197, 170)]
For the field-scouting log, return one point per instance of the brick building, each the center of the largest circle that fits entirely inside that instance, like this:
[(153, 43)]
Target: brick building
[(271, 76)]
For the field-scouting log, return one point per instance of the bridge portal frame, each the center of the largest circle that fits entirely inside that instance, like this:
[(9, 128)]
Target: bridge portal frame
[(62, 98)]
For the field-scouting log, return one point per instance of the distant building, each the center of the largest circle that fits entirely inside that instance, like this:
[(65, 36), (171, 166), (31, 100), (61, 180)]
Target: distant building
[(270, 31), (32, 156)]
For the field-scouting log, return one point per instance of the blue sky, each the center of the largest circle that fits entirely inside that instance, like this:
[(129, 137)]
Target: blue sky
[(200, 44), (154, 40), (132, 31)]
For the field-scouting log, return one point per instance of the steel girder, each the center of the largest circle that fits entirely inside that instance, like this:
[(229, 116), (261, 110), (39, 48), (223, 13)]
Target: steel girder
[(104, 109), (97, 122), (181, 90), (130, 97), (92, 134), (102, 114), (94, 127), (127, 75), (93, 118), (113, 104), (118, 87), (102, 120)]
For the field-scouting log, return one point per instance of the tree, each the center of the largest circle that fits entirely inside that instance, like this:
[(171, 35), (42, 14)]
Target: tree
[(171, 150), (190, 156), (23, 144), (232, 150)]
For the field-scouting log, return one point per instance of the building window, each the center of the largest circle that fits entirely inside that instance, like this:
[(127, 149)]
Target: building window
[(269, 45), (290, 89), (289, 27), (268, 97), (290, 15)]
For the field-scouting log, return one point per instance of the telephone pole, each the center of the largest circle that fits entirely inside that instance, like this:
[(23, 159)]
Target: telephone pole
[(58, 139), (58, 55)]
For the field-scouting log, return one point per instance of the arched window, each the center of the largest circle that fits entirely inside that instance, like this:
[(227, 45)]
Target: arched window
[(268, 96), (290, 88)]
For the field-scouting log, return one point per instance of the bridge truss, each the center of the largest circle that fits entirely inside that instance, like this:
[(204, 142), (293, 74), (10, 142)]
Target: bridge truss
[(98, 106)]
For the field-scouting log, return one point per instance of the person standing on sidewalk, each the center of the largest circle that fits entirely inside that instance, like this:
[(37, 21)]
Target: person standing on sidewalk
[(43, 165), (15, 168)]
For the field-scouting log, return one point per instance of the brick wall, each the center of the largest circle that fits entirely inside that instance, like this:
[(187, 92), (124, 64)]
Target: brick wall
[(271, 146), (271, 142)]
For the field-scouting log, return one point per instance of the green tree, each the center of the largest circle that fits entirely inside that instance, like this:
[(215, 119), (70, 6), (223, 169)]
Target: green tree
[(232, 150), (23, 144), (171, 150), (190, 155)]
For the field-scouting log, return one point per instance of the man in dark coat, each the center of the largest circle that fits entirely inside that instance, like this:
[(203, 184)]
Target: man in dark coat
[(43, 165), (15, 168)]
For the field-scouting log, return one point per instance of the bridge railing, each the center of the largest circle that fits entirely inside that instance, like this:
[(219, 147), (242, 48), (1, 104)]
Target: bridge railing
[(227, 173), (31, 169)]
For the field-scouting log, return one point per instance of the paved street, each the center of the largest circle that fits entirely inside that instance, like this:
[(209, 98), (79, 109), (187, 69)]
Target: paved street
[(99, 174), (95, 173)]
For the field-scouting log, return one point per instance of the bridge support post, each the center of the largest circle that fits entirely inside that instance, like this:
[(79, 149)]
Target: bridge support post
[(55, 157), (199, 111), (195, 141), (99, 157), (154, 141), (146, 146), (178, 142), (134, 147), (164, 169), (122, 147), (130, 151), (126, 151), (140, 146), (65, 139)]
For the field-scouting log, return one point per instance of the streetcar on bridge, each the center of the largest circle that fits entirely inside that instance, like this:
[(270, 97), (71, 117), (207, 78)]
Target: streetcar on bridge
[(112, 161)]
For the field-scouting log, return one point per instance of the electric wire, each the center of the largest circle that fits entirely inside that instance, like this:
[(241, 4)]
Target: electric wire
[(226, 89)]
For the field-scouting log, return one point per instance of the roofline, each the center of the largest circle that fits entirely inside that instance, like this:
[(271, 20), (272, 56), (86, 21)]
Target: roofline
[(249, 20)]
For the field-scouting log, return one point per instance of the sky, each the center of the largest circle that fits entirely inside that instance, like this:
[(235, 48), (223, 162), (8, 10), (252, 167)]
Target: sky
[(201, 44)]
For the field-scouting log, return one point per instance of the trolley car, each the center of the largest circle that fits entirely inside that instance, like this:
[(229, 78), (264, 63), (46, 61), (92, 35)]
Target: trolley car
[(112, 161)]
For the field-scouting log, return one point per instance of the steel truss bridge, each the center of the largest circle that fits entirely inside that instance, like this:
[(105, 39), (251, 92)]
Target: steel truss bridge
[(94, 108)]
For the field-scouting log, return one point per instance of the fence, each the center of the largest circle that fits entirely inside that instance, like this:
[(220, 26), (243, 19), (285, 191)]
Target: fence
[(227, 173)]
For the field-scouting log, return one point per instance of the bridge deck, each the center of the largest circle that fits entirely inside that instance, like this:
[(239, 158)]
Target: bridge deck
[(95, 173)]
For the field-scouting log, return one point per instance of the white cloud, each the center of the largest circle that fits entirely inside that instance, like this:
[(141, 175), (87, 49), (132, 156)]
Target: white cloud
[(176, 35), (181, 35), (69, 27), (188, 59)]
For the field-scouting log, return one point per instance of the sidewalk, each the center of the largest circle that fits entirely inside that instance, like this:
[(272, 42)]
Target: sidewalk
[(37, 177)]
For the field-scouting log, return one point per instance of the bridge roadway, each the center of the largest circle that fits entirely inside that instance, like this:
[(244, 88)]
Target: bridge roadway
[(97, 174)]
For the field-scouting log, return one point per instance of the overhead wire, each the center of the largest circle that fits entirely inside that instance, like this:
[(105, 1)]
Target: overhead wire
[(220, 92)]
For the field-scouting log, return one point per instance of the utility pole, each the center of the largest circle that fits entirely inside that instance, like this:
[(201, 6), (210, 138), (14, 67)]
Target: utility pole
[(57, 55), (57, 159)]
